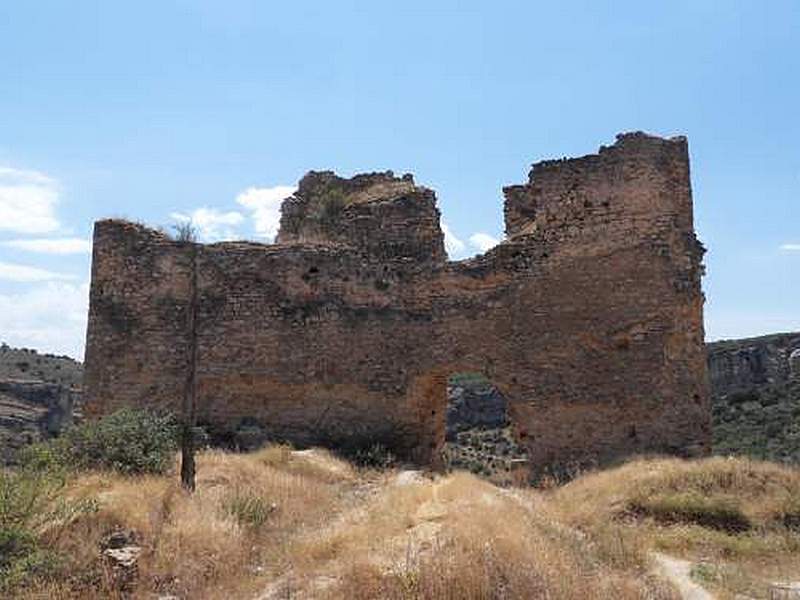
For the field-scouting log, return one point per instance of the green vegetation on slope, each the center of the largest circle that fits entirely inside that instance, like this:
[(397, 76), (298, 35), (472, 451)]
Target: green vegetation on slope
[(761, 423)]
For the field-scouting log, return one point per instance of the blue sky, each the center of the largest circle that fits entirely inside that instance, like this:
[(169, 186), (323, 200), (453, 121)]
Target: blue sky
[(154, 110)]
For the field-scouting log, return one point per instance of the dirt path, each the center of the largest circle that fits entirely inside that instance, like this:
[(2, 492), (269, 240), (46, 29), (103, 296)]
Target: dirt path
[(419, 520), (364, 497), (678, 572), (675, 570)]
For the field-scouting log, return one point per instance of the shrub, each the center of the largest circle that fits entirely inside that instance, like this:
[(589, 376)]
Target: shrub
[(375, 456), (130, 441), (26, 497), (327, 205), (22, 559), (705, 573), (185, 232), (790, 514), (469, 378)]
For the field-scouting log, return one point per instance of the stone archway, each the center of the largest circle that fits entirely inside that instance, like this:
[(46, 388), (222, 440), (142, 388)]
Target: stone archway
[(480, 435)]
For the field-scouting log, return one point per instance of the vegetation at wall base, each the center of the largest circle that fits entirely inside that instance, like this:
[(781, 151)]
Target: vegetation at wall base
[(35, 506), (129, 441), (372, 456)]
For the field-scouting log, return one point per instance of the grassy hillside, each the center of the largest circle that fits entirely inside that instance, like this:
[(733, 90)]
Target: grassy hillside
[(736, 519)]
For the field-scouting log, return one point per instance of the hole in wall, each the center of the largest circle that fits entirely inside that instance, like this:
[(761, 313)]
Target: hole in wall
[(479, 433)]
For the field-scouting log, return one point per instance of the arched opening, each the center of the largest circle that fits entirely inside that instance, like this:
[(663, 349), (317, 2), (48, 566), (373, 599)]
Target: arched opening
[(480, 436)]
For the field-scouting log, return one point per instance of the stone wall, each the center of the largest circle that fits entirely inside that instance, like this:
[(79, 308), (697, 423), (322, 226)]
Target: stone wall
[(588, 317)]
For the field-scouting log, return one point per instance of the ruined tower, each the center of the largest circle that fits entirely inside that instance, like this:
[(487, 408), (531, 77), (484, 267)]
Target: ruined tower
[(588, 316)]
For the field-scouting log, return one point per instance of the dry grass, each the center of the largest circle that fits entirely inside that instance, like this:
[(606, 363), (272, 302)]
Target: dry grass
[(195, 546), (736, 518), (279, 523), (459, 537)]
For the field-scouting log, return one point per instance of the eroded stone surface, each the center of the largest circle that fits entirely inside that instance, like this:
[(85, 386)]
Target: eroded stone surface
[(588, 316)]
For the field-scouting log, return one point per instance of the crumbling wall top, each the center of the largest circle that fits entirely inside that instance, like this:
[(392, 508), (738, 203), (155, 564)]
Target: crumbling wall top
[(384, 216), (582, 190)]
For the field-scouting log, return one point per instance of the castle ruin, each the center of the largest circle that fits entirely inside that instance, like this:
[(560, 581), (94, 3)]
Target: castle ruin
[(588, 316)]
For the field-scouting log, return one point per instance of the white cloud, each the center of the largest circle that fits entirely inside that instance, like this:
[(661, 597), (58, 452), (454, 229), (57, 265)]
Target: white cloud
[(452, 244), (791, 247), (49, 317), (265, 206), (52, 245), (483, 241), (26, 274), (212, 225), (27, 201)]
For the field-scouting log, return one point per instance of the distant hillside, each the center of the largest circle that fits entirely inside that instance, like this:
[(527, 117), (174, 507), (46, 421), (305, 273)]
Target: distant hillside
[(755, 387), (22, 363), (40, 394)]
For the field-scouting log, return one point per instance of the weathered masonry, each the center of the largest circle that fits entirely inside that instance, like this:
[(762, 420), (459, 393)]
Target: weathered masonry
[(588, 317)]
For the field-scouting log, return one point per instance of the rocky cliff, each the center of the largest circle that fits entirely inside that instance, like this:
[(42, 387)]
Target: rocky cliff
[(40, 394), (479, 436), (755, 385)]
